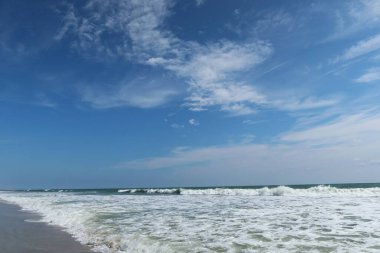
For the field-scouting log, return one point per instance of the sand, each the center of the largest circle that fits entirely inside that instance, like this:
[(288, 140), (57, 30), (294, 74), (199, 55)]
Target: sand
[(19, 236)]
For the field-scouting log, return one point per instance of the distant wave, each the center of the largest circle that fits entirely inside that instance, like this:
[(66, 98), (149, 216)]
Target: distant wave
[(150, 191), (360, 190), (321, 190)]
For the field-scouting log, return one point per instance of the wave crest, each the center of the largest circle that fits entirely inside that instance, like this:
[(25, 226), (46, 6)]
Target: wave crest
[(320, 190)]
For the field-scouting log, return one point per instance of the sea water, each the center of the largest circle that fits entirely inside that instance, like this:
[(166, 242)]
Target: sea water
[(338, 218)]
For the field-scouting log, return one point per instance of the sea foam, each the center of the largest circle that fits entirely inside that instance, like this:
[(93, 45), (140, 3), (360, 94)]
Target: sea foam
[(277, 219), (321, 190)]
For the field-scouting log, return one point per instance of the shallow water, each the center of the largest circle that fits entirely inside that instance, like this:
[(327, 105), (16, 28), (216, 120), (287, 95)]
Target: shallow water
[(279, 219)]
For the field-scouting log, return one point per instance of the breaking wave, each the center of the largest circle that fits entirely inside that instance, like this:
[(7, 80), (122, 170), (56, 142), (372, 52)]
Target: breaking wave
[(320, 190), (168, 220), (150, 191)]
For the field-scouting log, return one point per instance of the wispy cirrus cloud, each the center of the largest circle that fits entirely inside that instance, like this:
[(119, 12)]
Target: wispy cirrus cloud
[(194, 122), (365, 12), (262, 23), (10, 93), (136, 32), (124, 28), (177, 126), (363, 47), (306, 103), (143, 38), (210, 73), (343, 148), (200, 2), (352, 129), (274, 20), (246, 164), (371, 75), (353, 17), (361, 15), (139, 92)]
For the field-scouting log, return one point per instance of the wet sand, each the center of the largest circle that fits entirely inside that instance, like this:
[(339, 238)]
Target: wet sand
[(18, 236)]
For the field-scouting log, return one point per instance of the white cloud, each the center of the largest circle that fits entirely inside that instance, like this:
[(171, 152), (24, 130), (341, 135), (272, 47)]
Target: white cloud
[(177, 126), (349, 153), (200, 2), (371, 75), (44, 101), (136, 31), (122, 28), (40, 99), (131, 30), (358, 128), (294, 104), (238, 109), (139, 93), (193, 122), (253, 122), (274, 19), (208, 69), (355, 16), (233, 98), (211, 73), (214, 62), (361, 48), (70, 21), (268, 164), (247, 138), (179, 149), (366, 12)]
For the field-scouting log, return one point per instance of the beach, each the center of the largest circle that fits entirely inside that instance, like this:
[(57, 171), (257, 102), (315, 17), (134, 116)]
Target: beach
[(19, 236)]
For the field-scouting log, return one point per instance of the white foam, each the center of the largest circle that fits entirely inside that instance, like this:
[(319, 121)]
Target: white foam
[(321, 190), (279, 219), (149, 191)]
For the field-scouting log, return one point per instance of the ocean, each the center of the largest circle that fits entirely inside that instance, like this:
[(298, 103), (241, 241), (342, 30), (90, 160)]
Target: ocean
[(301, 218)]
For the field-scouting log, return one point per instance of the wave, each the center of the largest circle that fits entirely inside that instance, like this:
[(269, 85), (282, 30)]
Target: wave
[(113, 221), (320, 190), (150, 191)]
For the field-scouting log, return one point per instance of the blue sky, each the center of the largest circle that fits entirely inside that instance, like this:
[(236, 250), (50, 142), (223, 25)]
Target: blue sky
[(188, 93)]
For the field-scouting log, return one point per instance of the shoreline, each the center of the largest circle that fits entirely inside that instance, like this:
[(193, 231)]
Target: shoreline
[(17, 235)]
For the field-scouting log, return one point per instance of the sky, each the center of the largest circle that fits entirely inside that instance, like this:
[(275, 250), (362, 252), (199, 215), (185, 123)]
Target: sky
[(165, 93)]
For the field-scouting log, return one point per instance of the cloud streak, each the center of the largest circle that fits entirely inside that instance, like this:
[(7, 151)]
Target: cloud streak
[(194, 122), (140, 93), (347, 129), (208, 69), (136, 31), (353, 17), (346, 147), (361, 48), (371, 75)]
